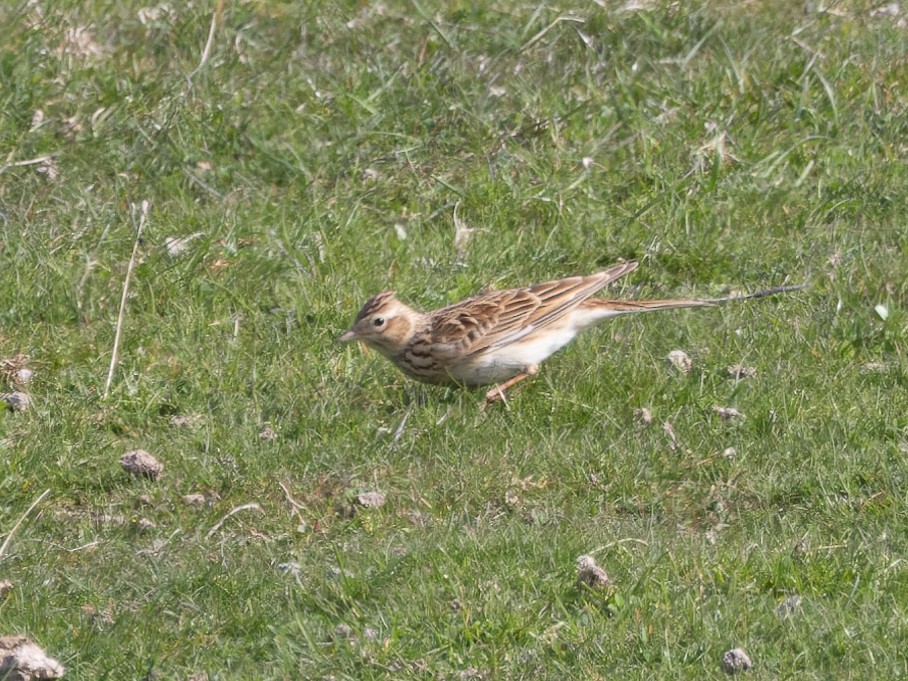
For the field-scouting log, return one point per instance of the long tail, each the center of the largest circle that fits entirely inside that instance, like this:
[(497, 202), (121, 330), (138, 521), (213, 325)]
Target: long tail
[(761, 294), (611, 308)]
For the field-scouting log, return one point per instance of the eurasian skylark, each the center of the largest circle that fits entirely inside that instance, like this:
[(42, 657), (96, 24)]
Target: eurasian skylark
[(499, 337)]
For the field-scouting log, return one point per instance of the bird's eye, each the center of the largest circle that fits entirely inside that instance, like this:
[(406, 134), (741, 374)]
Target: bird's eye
[(378, 321)]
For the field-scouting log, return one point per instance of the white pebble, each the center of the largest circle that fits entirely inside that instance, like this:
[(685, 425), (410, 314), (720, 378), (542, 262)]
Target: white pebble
[(736, 660), (680, 360)]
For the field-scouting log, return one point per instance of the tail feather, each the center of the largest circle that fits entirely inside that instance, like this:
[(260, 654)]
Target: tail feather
[(616, 307), (760, 294), (611, 308)]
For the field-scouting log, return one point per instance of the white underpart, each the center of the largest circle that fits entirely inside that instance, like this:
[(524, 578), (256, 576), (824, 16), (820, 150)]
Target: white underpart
[(521, 351), (528, 349)]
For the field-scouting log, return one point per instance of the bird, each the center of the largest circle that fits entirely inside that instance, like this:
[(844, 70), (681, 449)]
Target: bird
[(500, 337)]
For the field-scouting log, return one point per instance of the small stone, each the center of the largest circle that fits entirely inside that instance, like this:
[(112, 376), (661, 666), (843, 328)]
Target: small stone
[(23, 376), (141, 464), (370, 634), (144, 500), (22, 660), (589, 574), (194, 499), (738, 372), (728, 413), (267, 433), (643, 415), (680, 360), (371, 499), (17, 401), (49, 168), (145, 524), (5, 588), (729, 452), (736, 660)]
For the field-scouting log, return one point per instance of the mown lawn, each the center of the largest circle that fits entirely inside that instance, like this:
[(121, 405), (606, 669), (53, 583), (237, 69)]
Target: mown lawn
[(312, 154)]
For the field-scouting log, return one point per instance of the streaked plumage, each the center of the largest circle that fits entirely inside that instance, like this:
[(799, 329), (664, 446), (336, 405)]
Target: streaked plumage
[(496, 337)]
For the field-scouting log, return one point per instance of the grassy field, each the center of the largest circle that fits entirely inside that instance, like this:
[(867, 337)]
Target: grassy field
[(313, 153)]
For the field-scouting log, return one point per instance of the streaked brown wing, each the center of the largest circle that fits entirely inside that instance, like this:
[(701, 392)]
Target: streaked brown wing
[(493, 320)]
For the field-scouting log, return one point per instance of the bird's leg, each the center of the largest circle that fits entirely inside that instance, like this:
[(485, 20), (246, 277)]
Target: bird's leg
[(497, 393)]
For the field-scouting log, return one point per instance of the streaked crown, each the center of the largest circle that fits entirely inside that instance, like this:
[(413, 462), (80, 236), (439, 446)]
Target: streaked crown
[(380, 302)]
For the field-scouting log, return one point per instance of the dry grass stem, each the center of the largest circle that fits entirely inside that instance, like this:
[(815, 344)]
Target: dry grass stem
[(245, 507), (9, 537), (122, 314)]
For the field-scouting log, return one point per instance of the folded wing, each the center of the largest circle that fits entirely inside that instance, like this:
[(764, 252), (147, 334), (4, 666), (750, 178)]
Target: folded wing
[(492, 320)]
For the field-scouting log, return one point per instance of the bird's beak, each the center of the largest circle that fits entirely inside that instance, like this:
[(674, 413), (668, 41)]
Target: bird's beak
[(347, 336)]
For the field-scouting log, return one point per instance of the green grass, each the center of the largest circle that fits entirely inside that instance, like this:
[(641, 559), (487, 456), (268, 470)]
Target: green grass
[(319, 152)]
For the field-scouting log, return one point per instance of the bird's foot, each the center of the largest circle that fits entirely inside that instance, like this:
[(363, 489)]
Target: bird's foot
[(497, 394)]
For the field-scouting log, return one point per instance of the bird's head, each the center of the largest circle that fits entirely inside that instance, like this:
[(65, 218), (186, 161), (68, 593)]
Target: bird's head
[(384, 323)]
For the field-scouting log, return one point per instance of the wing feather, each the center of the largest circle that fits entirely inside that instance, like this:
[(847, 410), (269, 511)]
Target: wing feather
[(493, 320)]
